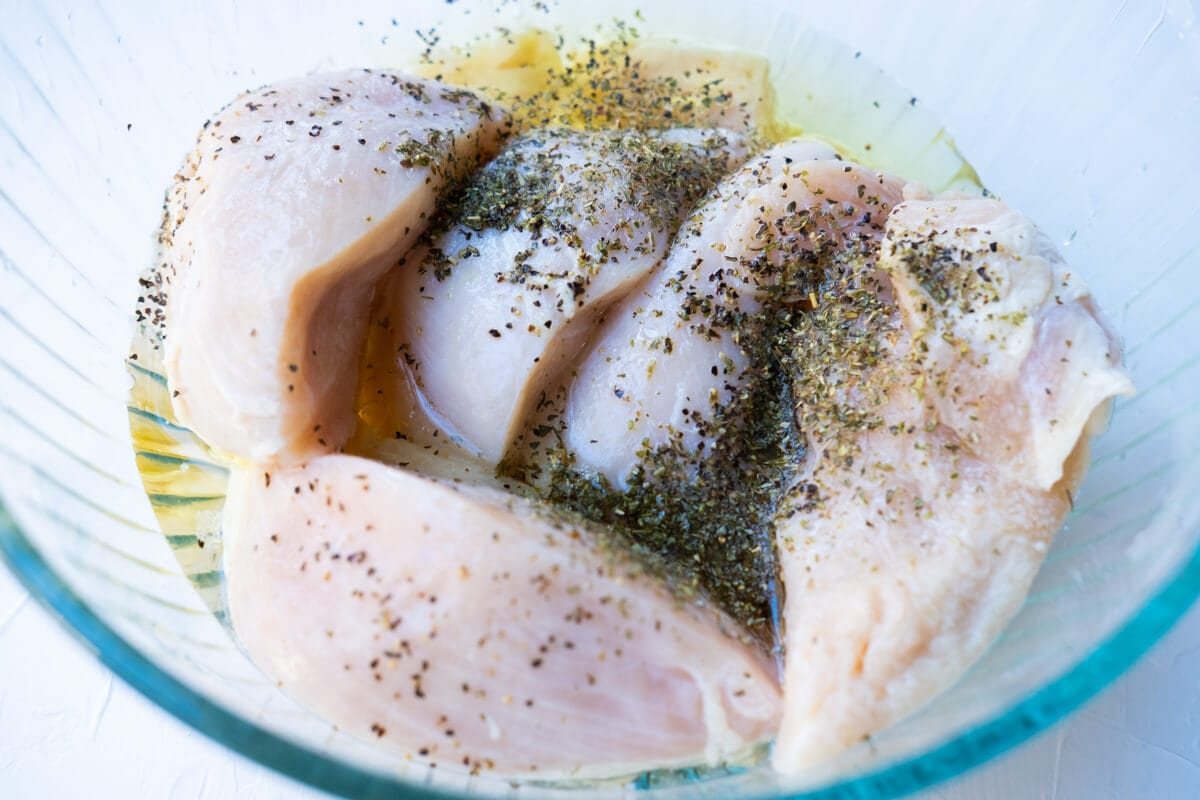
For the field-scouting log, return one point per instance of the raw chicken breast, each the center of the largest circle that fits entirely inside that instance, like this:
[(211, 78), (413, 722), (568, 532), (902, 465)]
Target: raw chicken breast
[(297, 199), (668, 359), (464, 626), (935, 478), (543, 239)]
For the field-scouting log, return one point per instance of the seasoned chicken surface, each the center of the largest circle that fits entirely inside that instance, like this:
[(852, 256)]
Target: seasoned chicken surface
[(670, 359), (465, 626), (543, 239), (297, 199), (935, 478), (608, 370)]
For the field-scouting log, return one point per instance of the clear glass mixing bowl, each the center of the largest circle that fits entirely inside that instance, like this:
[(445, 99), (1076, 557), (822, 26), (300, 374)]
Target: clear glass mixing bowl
[(1083, 115)]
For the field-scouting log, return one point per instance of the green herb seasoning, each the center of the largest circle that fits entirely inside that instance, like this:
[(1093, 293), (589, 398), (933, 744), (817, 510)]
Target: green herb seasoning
[(605, 84), (706, 519), (550, 183), (705, 522)]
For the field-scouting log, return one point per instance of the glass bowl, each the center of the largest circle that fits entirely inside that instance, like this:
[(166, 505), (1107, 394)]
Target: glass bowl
[(1082, 115)]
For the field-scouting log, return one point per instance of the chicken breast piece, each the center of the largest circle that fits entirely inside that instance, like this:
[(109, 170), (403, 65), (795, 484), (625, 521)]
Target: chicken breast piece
[(297, 199), (471, 629), (668, 361), (542, 240), (936, 478)]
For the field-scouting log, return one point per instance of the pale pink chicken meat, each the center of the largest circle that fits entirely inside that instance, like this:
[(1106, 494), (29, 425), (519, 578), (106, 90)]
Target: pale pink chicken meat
[(907, 543), (297, 199), (464, 626), (541, 242), (936, 473), (945, 420), (667, 357)]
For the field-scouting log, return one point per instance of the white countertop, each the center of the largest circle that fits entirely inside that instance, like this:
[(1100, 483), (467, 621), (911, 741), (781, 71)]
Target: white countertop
[(69, 728)]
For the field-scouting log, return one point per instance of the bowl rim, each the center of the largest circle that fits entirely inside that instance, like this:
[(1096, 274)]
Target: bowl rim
[(970, 748)]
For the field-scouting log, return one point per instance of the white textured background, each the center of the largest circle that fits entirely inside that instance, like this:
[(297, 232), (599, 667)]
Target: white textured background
[(68, 729)]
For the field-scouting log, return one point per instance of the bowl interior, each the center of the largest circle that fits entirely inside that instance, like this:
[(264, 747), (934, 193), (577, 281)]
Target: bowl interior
[(105, 98)]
